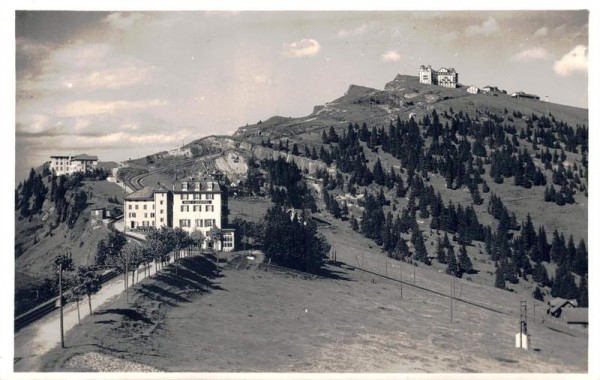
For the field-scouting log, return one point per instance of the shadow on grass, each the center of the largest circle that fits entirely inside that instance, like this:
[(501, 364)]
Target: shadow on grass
[(131, 314), (194, 274), (159, 294), (332, 274)]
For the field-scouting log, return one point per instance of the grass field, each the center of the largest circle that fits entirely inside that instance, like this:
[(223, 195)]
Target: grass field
[(251, 317)]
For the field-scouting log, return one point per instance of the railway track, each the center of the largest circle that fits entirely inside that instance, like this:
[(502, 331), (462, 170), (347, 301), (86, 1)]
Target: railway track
[(52, 304), (49, 306), (136, 182)]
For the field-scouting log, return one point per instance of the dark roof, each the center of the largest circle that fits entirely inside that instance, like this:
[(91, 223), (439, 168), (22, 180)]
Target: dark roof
[(81, 157), (146, 193), (559, 303), (205, 185), (576, 315)]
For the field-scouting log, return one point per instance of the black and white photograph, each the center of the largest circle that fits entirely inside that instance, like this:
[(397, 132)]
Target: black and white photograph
[(298, 191)]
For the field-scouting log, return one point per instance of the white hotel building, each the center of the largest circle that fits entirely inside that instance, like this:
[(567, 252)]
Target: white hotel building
[(68, 164), (192, 205)]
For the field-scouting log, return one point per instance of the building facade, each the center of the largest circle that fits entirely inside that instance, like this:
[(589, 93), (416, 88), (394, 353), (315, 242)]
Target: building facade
[(191, 204), (61, 165), (442, 77)]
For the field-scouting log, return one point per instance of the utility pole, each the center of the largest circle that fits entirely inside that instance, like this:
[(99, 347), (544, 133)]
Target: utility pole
[(126, 275), (60, 300), (401, 283), (452, 296)]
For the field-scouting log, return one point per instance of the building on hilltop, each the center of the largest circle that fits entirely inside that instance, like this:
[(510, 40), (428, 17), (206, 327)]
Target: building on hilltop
[(521, 94), (191, 204), (473, 90), (442, 77), (68, 164)]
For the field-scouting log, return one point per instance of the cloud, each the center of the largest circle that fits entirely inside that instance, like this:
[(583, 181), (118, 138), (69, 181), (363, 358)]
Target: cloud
[(96, 66), (81, 108), (390, 56), (120, 20), (358, 31), (574, 61), (306, 47), (486, 28), (529, 55), (541, 32)]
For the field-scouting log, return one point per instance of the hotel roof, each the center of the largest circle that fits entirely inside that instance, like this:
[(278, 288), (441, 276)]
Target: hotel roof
[(84, 157), (146, 193)]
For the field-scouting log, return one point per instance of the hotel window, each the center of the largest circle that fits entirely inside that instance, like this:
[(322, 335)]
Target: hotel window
[(129, 207), (136, 207), (152, 215), (184, 223), (133, 214), (161, 202), (185, 208), (197, 196), (145, 206), (208, 222), (162, 211), (199, 223), (184, 196), (162, 220), (210, 208), (210, 196), (145, 215)]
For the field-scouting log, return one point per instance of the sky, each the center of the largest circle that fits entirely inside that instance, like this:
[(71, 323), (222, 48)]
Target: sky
[(123, 85)]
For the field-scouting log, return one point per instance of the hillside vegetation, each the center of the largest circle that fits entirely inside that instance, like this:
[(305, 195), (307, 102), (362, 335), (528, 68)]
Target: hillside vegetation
[(52, 217), (440, 176)]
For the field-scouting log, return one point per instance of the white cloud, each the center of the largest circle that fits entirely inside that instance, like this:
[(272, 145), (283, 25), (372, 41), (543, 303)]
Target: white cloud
[(81, 108), (486, 28), (360, 30), (529, 55), (541, 32), (96, 66), (574, 61), (390, 56), (306, 47), (120, 20)]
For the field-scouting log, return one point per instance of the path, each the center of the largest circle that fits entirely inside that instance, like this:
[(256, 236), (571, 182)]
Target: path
[(38, 338)]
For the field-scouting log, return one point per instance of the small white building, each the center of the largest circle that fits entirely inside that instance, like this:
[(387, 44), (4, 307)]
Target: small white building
[(68, 164), (473, 90)]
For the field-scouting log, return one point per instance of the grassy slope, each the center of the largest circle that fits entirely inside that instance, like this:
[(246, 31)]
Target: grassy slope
[(249, 318)]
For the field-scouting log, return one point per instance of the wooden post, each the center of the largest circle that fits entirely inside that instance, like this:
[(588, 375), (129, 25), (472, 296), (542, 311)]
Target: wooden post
[(60, 300), (451, 298), (401, 283), (126, 277)]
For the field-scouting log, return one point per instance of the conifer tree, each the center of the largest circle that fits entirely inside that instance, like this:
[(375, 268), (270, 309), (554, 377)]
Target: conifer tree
[(440, 252), (452, 267), (464, 262)]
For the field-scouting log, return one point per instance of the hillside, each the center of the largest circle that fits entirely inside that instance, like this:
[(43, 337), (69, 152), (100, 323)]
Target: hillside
[(485, 191), (45, 232), (535, 148)]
